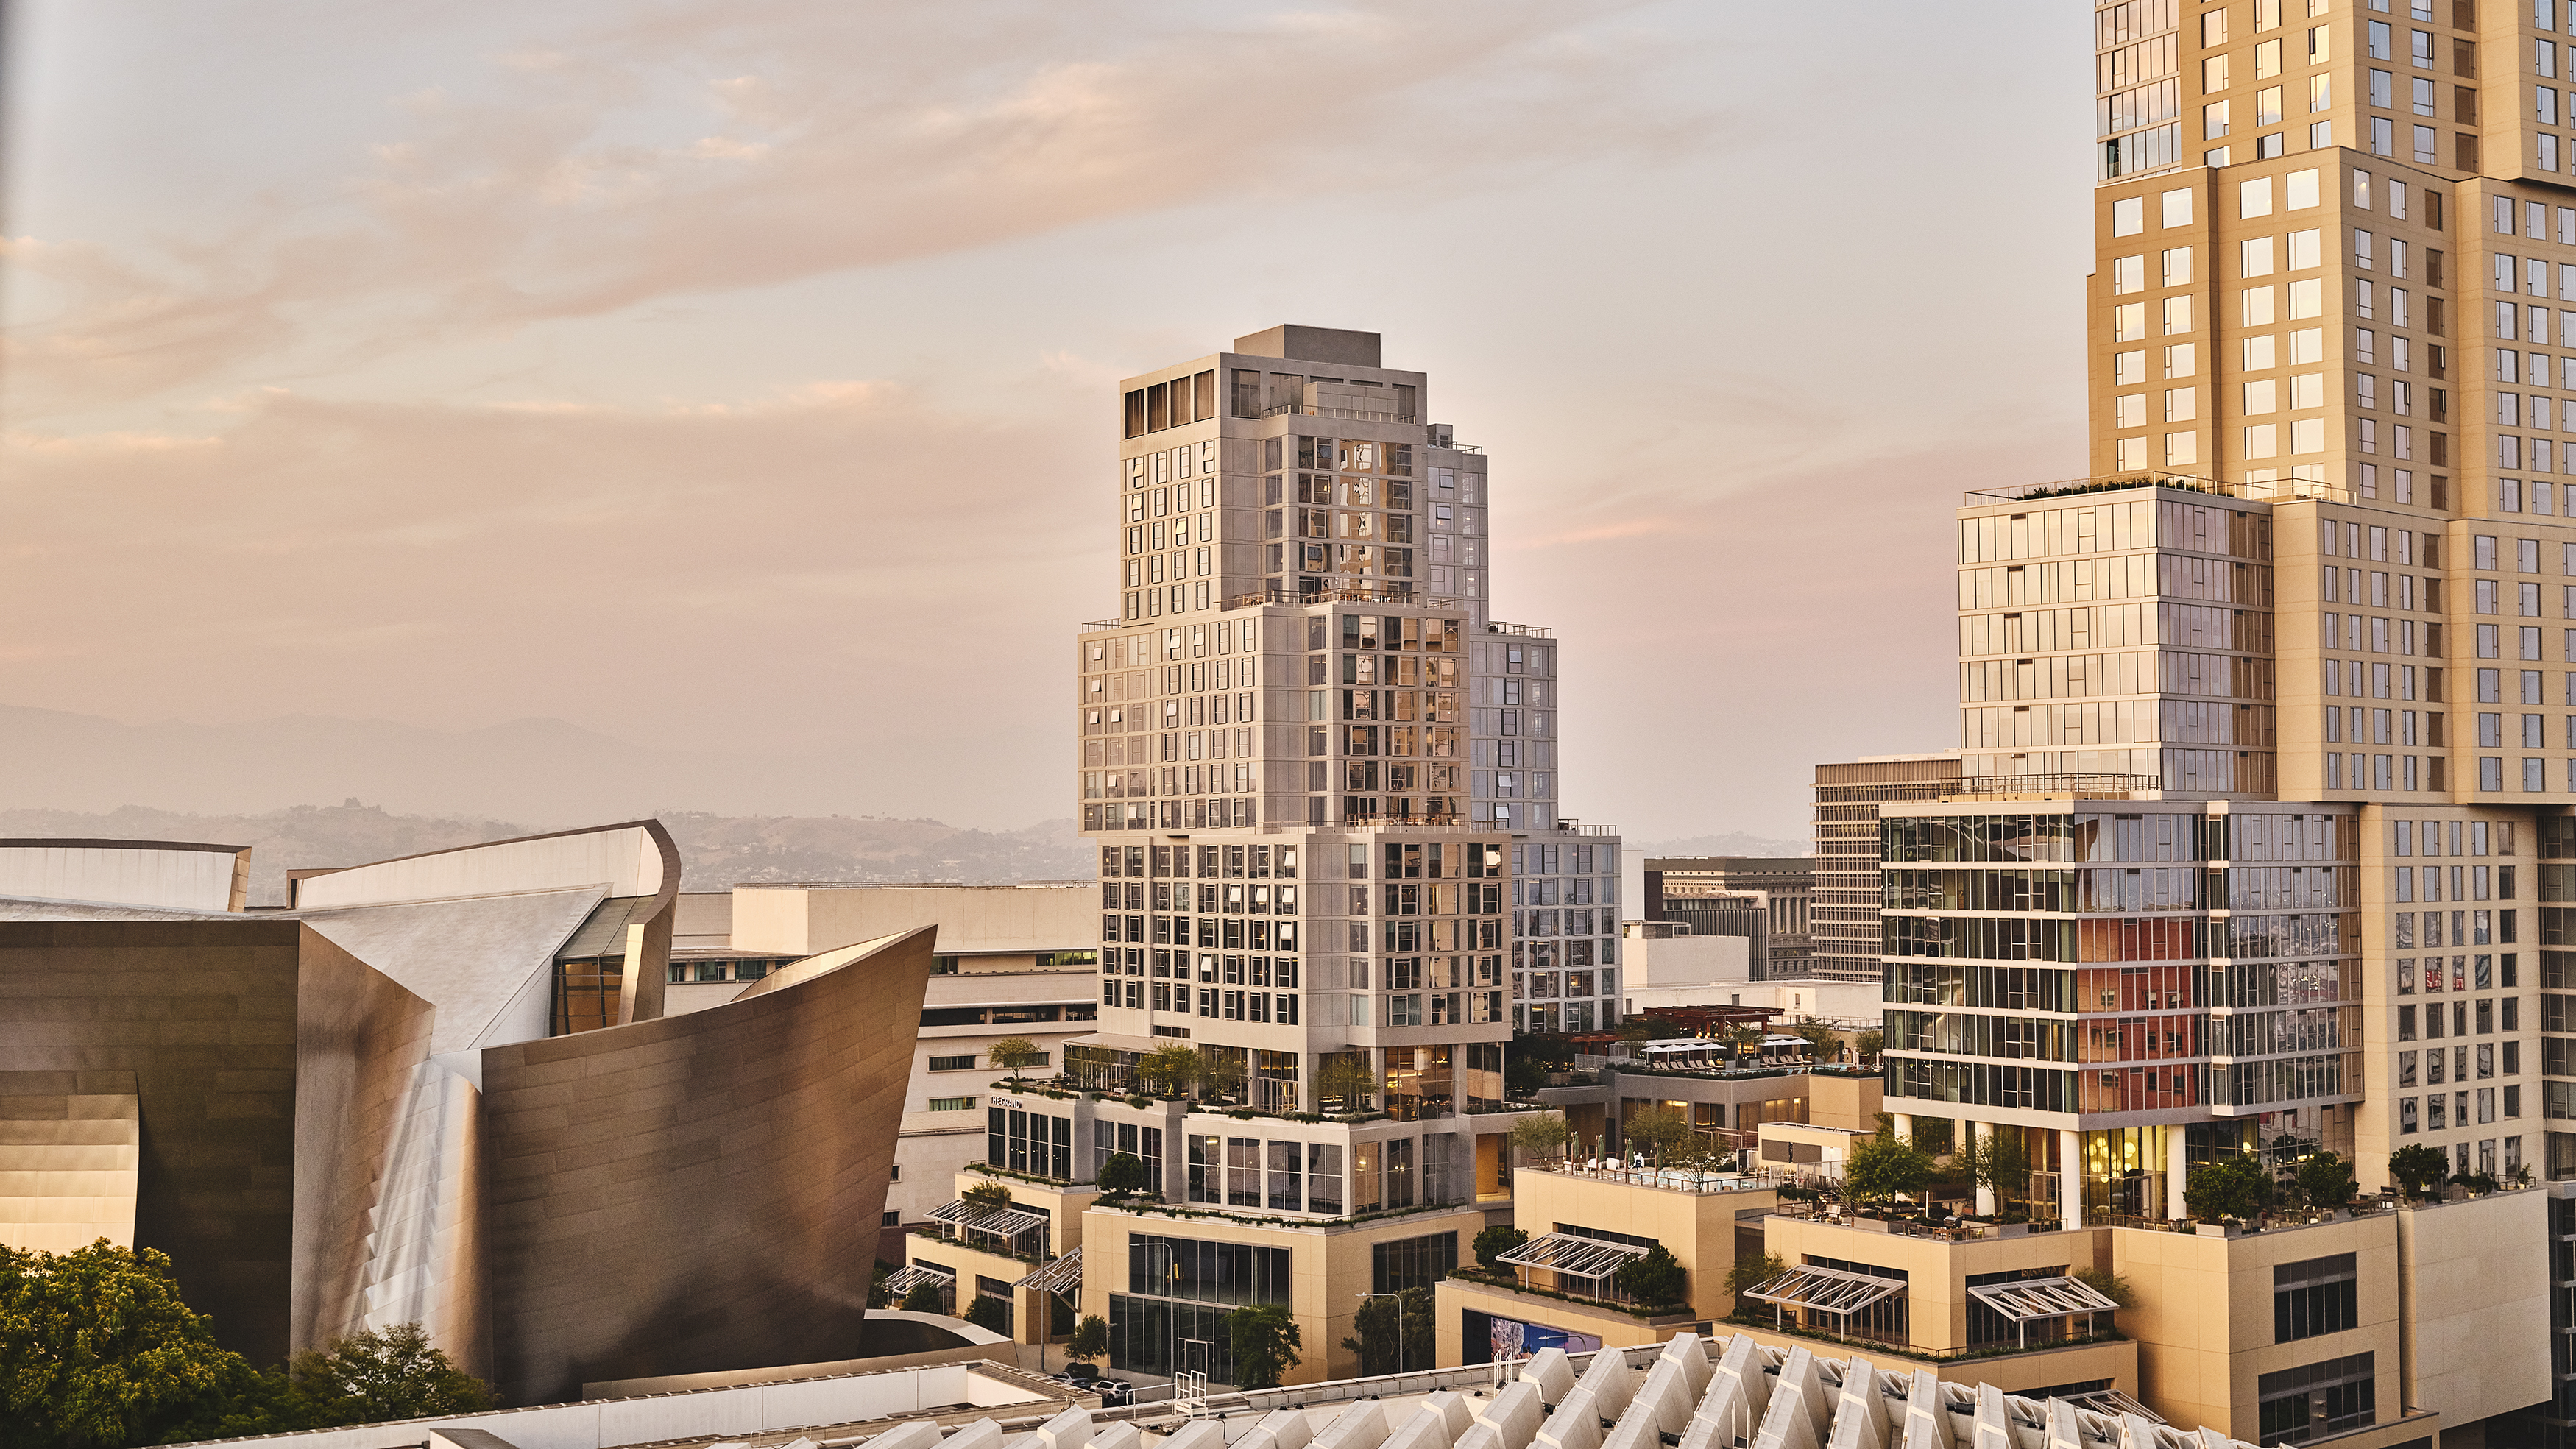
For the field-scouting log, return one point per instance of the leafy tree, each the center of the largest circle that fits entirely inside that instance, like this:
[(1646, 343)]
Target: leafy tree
[(1014, 1053), (1998, 1162), (1346, 1077), (2325, 1180), (876, 1284), (2418, 1168), (1265, 1340), (96, 1349), (927, 1296), (1493, 1242), (1523, 1076), (2231, 1187), (372, 1377), (1377, 1323), (1090, 1341), (1869, 1044), (1222, 1071), (2107, 1283), (1822, 1041), (1656, 1278), (1172, 1068), (987, 1195), (1656, 1130), (1743, 1036), (1121, 1174), (1747, 1272), (989, 1313), (1880, 1168), (1542, 1135)]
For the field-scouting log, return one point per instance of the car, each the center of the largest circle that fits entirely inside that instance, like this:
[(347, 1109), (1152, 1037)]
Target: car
[(1114, 1393)]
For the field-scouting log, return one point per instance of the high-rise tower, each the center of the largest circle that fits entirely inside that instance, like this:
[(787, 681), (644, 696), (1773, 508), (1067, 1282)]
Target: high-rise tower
[(1323, 782), (2268, 728)]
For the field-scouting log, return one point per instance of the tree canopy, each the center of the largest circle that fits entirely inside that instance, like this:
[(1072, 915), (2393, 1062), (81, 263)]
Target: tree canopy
[(1880, 1168), (2326, 1181), (97, 1351), (1122, 1173), (1657, 1131), (1090, 1341), (2236, 1186), (1265, 1340), (1172, 1068), (1495, 1241), (1542, 1134), (2418, 1168), (1656, 1278), (1013, 1053)]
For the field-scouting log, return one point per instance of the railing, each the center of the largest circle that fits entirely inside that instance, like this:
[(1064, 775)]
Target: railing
[(1300, 408), (1527, 631), (1096, 625), (1398, 594), (2026, 787), (2275, 490), (1577, 827)]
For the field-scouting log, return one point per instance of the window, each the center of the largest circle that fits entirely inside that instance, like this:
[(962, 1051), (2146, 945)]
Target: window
[(953, 1064), (2296, 1405), (952, 1104), (1412, 1262), (2314, 1297)]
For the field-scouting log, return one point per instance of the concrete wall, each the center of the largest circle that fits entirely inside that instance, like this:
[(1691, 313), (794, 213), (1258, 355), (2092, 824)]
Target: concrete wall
[(801, 920), (1937, 1271), (1697, 1228), (2204, 1317), (2476, 1286), (1328, 1268)]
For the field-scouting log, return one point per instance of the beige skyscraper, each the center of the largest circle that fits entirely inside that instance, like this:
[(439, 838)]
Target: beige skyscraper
[(1323, 780), (2268, 727)]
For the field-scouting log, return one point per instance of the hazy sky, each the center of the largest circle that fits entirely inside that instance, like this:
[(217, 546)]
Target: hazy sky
[(738, 377)]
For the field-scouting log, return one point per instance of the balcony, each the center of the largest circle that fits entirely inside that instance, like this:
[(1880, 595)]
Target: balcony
[(2049, 787), (2280, 490), (1403, 594)]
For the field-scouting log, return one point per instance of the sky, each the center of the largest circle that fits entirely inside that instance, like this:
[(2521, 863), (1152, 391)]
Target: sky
[(738, 379)]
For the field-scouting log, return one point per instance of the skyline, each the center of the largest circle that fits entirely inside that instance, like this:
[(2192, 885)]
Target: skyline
[(568, 356)]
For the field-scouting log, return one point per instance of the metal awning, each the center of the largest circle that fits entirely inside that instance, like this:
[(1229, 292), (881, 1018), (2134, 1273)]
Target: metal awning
[(2114, 1403), (970, 1217), (1059, 1275), (912, 1275), (1826, 1290), (2036, 1298), (1567, 1253)]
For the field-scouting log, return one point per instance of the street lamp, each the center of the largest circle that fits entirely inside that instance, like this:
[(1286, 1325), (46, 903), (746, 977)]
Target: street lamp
[(1399, 1323)]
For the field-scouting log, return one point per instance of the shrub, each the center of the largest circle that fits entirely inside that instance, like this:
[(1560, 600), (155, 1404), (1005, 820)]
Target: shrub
[(1121, 1174), (2231, 1187), (1656, 1278), (1493, 1242)]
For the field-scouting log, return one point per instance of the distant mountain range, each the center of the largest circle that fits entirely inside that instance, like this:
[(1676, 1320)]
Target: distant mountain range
[(65, 774), (716, 851), (542, 770)]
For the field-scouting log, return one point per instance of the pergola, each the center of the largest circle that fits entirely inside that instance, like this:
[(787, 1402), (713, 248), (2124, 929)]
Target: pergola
[(1572, 1256), (1008, 1224), (1826, 1290), (2036, 1299)]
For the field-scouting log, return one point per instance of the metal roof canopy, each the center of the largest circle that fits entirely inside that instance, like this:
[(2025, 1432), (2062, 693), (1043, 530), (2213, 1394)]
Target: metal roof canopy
[(974, 1218), (2034, 1298), (912, 1275), (1567, 1253), (1826, 1290), (1059, 1275)]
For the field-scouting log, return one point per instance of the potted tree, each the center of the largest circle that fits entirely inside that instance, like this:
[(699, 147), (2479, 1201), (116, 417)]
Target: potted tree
[(2227, 1193)]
